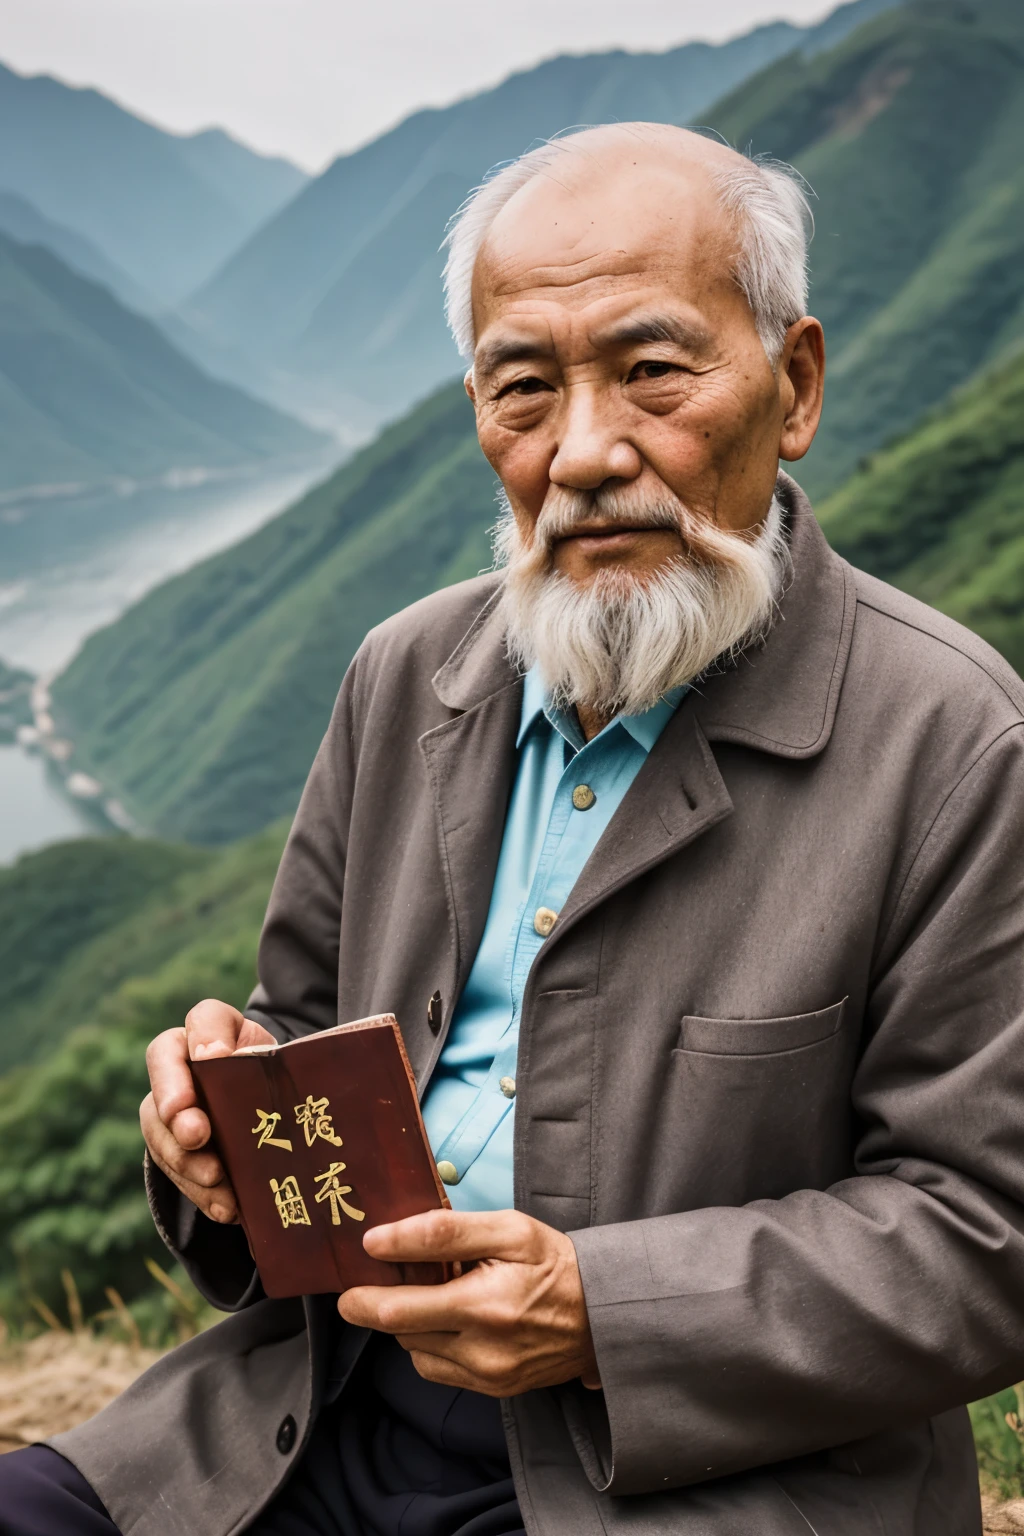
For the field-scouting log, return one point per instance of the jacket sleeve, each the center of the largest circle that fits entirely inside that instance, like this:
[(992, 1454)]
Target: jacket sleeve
[(729, 1338), (297, 991)]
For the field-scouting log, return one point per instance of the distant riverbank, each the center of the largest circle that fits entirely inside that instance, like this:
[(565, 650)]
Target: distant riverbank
[(71, 565)]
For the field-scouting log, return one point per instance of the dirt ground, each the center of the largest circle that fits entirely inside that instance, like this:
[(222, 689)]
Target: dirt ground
[(59, 1379)]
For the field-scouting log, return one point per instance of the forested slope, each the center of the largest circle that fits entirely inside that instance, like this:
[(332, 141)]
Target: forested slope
[(941, 514), (206, 702), (112, 944), (909, 134)]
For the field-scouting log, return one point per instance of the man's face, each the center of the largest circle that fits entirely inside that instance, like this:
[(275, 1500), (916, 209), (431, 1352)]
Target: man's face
[(614, 349)]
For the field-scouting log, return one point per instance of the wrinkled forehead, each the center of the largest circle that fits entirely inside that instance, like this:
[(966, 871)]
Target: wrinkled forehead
[(591, 225)]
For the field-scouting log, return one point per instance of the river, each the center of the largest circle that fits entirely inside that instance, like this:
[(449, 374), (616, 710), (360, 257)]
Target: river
[(70, 565)]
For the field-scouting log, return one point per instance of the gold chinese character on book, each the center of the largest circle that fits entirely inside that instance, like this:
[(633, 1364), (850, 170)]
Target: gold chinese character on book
[(290, 1205), (265, 1130), (334, 1191), (315, 1120)]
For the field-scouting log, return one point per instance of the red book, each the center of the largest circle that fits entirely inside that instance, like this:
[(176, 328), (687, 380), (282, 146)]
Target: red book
[(322, 1139)]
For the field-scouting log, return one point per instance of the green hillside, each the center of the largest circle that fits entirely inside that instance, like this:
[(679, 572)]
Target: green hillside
[(941, 514), (165, 208), (53, 906), (205, 704), (90, 390), (340, 292), (910, 135), (113, 942)]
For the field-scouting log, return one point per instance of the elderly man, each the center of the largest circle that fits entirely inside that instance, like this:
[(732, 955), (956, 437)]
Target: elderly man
[(691, 861)]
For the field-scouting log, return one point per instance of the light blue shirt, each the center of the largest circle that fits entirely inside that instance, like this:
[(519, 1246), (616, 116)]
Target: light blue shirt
[(547, 841)]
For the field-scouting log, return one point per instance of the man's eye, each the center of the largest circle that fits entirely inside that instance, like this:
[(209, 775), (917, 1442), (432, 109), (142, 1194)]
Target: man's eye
[(652, 370), (530, 386)]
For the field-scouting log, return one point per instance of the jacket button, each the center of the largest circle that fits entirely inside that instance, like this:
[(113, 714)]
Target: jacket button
[(507, 1086), (583, 797), (286, 1435), (435, 1009)]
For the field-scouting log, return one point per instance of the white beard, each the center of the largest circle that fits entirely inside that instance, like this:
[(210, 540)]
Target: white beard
[(619, 643)]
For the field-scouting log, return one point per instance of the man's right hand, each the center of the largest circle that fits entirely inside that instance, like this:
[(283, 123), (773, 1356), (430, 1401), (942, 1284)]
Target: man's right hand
[(175, 1128)]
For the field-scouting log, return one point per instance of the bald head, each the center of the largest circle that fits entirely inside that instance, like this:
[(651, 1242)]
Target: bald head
[(674, 189)]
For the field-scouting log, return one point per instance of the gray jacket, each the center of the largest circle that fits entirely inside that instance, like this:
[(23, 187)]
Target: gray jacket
[(770, 1077)]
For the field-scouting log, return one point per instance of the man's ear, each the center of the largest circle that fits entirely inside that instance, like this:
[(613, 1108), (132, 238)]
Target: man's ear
[(802, 385), (470, 388)]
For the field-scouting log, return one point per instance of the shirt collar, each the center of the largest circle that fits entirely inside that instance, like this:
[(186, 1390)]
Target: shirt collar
[(644, 729)]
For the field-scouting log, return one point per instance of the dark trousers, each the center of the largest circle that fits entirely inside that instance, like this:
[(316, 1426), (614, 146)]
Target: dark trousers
[(395, 1456)]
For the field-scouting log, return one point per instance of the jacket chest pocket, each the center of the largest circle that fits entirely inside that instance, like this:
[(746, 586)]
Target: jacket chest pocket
[(759, 1037), (753, 1109)]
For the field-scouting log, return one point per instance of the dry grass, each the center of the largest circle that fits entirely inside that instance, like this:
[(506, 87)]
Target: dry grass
[(52, 1382)]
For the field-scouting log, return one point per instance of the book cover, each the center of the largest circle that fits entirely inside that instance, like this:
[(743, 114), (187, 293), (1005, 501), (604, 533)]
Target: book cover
[(322, 1138)]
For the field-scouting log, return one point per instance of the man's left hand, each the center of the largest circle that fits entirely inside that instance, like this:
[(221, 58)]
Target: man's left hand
[(514, 1320)]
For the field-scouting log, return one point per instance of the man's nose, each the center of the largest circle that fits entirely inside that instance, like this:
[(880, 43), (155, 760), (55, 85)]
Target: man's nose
[(592, 446)]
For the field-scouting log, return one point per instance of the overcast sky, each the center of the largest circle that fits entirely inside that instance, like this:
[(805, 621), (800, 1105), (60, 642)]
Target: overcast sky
[(309, 78)]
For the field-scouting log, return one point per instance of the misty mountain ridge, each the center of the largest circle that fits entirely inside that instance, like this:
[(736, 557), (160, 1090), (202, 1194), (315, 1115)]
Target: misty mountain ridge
[(90, 390), (166, 208), (24, 223)]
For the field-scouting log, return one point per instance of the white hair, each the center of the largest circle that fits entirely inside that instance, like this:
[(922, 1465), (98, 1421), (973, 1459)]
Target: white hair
[(619, 643), (765, 197)]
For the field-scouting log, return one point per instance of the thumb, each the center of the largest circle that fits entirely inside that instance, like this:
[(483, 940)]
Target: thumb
[(212, 1029)]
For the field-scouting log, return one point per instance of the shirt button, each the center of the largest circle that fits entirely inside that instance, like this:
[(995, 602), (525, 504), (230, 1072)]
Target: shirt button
[(286, 1435), (448, 1172), (544, 920), (583, 797), (507, 1086)]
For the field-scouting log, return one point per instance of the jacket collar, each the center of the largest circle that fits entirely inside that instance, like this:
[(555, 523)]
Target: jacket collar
[(780, 697)]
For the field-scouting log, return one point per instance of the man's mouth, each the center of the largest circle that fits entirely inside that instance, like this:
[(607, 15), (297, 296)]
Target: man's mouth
[(607, 537)]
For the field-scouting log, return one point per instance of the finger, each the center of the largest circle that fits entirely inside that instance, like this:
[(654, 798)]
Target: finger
[(199, 1167), (212, 1029), (451, 1235), (445, 1371), (199, 1175), (173, 1090), (405, 1308), (448, 1372)]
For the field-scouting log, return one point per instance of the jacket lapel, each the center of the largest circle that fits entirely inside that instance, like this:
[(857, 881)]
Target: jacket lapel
[(470, 763), (677, 795)]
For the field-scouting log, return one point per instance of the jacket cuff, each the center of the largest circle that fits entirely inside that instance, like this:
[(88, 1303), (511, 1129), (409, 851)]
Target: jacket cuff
[(628, 1436), (215, 1257)]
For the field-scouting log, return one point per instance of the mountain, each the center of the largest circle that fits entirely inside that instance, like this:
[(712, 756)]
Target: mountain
[(168, 209), (339, 294), (253, 642), (91, 390), (24, 223), (941, 513), (910, 135)]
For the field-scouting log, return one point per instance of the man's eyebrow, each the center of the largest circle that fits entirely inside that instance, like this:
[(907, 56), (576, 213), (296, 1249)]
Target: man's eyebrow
[(646, 330), (509, 349)]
